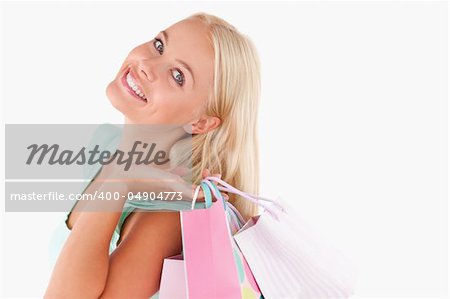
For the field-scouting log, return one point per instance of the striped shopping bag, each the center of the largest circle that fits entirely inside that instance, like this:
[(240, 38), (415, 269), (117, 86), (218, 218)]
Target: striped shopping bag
[(286, 257)]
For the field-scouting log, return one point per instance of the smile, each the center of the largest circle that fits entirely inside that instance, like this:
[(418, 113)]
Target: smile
[(132, 87)]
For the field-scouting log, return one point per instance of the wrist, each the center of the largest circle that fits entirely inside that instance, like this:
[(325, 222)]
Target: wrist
[(112, 179)]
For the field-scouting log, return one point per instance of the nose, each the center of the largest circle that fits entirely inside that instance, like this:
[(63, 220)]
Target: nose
[(147, 70)]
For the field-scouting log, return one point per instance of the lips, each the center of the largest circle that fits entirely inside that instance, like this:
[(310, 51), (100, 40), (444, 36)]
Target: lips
[(136, 82)]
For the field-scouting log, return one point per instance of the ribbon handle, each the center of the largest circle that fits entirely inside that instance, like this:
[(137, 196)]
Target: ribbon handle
[(206, 192), (260, 201)]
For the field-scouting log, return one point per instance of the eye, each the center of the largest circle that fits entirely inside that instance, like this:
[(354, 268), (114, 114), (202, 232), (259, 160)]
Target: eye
[(158, 45), (179, 77)]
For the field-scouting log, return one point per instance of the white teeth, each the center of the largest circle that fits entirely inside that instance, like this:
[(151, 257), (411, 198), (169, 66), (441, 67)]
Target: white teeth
[(134, 87)]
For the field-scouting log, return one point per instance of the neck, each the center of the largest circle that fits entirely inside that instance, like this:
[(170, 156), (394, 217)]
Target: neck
[(154, 141)]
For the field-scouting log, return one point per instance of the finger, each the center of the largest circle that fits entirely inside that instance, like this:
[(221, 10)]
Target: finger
[(200, 191), (200, 195), (206, 173)]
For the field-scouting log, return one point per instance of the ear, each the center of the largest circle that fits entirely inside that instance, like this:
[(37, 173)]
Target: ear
[(204, 125)]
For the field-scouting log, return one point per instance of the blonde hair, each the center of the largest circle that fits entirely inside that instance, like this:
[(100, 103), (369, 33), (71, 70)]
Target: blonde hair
[(232, 148)]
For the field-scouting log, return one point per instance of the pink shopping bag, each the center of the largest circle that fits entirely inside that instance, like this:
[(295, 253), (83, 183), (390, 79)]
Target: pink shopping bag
[(173, 277), (287, 258), (212, 263)]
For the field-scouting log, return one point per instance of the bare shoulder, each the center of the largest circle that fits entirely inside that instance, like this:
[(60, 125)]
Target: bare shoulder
[(150, 237), (147, 227), (146, 219)]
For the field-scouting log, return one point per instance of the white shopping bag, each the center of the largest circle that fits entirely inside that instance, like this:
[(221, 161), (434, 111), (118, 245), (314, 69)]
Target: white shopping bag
[(288, 258)]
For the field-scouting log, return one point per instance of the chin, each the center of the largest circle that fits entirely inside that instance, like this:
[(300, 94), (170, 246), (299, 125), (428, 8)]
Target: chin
[(111, 94)]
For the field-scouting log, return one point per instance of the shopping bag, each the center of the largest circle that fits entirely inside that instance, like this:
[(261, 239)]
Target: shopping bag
[(212, 263), (249, 287), (173, 278), (287, 258)]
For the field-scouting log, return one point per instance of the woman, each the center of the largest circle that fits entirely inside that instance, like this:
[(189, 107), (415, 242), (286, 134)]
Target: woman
[(200, 73)]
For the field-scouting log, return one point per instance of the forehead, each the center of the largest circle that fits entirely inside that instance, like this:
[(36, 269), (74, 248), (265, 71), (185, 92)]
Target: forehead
[(188, 40)]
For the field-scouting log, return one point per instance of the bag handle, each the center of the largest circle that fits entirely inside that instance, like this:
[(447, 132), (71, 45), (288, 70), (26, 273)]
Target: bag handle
[(260, 201), (204, 185), (228, 188), (207, 187), (206, 192)]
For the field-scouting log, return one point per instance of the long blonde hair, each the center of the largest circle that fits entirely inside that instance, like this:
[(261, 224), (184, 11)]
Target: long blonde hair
[(232, 148)]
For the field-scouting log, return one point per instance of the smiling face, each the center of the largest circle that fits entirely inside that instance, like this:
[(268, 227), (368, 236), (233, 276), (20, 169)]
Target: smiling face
[(173, 75)]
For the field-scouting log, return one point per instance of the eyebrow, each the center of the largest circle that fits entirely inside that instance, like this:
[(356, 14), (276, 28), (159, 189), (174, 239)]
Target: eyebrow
[(184, 64)]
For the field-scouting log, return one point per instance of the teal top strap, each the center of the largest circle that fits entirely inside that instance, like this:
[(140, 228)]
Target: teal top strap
[(156, 205), (207, 193)]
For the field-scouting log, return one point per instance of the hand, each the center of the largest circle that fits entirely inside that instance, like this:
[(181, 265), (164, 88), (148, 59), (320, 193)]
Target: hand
[(145, 178)]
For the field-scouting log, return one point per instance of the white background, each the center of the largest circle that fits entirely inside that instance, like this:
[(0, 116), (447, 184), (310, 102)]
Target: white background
[(353, 120)]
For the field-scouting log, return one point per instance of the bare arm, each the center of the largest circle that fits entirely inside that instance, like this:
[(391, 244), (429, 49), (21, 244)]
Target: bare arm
[(82, 266), (136, 264)]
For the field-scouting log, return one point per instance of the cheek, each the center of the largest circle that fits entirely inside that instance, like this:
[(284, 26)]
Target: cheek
[(176, 110)]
